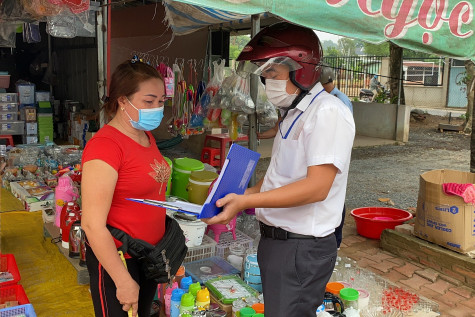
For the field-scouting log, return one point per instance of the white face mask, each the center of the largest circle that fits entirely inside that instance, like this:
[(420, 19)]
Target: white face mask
[(276, 91)]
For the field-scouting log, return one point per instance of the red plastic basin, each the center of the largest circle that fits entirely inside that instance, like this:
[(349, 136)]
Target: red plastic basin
[(371, 221)]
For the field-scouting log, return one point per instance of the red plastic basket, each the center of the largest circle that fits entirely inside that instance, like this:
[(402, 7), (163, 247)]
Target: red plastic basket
[(8, 264), (13, 293), (371, 221)]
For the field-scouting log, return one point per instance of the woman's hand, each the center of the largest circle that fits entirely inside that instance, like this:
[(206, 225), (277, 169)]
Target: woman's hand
[(128, 295), (232, 204)]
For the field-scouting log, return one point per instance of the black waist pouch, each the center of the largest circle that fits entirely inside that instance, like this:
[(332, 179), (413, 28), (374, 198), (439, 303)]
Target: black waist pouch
[(159, 262)]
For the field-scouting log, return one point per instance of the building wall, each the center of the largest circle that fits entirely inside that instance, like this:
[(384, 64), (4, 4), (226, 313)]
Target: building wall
[(422, 96), (140, 30)]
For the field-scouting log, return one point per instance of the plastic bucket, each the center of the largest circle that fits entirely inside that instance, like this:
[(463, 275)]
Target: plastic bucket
[(169, 184), (193, 230), (182, 168), (198, 186), (371, 221)]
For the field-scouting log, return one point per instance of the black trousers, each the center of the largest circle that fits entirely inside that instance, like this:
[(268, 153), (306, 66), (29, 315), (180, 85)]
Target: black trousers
[(294, 274), (103, 290), (339, 229)]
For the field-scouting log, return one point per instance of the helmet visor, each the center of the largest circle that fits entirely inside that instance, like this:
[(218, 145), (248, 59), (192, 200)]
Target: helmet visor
[(276, 66)]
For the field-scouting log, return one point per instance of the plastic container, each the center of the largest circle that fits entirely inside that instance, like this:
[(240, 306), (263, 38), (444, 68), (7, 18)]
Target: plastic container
[(363, 299), (8, 107), (169, 183), (9, 116), (198, 186), (259, 308), (8, 264), (175, 302), (229, 288), (179, 274), (334, 287), (185, 283), (226, 239), (194, 288), (247, 312), (187, 303), (21, 310), (182, 168), (371, 221), (349, 296), (203, 299), (207, 249), (13, 293), (13, 127), (194, 230), (8, 97), (210, 268)]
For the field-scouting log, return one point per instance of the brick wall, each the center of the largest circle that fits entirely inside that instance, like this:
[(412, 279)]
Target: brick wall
[(449, 263)]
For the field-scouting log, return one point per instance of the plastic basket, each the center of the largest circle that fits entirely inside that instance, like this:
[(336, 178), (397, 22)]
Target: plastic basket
[(205, 250), (13, 293), (226, 239), (26, 310), (8, 264)]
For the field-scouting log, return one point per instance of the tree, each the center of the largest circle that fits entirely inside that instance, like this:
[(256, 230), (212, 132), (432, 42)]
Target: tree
[(376, 49), (347, 46), (395, 64), (331, 51), (236, 45)]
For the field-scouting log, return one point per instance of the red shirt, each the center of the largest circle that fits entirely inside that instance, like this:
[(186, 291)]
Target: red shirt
[(142, 173)]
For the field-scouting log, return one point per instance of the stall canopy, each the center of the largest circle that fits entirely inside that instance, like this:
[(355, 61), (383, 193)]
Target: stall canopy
[(443, 27)]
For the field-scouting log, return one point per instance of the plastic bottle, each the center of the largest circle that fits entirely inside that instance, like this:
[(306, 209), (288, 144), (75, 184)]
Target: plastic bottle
[(175, 302), (167, 298), (185, 283), (180, 274), (187, 303), (202, 299), (194, 288)]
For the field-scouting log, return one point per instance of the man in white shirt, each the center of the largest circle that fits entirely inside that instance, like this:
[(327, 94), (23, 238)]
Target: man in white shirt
[(299, 201)]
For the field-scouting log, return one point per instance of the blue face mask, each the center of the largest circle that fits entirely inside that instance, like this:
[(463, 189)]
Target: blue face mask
[(149, 119)]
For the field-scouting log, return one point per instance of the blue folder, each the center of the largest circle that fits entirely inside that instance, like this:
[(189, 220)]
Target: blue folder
[(234, 178)]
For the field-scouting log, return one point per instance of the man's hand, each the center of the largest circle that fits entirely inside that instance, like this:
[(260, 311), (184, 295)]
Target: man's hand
[(232, 204)]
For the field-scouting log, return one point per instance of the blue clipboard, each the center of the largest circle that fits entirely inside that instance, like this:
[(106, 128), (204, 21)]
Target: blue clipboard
[(234, 177)]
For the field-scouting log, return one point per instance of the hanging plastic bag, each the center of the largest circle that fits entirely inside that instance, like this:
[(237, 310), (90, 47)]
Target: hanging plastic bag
[(266, 111), (61, 25), (169, 83)]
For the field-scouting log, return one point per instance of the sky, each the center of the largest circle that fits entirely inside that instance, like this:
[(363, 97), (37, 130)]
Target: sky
[(323, 36)]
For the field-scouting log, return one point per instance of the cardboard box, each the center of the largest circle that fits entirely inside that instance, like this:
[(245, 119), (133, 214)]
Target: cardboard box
[(35, 204), (445, 219)]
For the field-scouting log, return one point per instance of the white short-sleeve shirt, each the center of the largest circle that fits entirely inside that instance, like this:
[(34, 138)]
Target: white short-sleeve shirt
[(323, 134)]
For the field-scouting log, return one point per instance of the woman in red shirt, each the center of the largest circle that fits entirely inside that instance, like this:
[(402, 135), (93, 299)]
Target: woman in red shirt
[(122, 161)]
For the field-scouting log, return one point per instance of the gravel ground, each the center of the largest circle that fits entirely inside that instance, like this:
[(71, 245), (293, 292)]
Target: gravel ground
[(392, 171)]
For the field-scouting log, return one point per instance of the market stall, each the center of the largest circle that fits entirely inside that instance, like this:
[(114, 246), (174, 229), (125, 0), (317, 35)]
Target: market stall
[(46, 177)]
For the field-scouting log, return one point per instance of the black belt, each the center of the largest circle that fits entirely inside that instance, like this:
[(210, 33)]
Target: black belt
[(279, 233)]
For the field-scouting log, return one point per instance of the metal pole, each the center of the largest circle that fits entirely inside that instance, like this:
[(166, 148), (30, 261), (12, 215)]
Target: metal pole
[(50, 66), (256, 26), (100, 62), (399, 93)]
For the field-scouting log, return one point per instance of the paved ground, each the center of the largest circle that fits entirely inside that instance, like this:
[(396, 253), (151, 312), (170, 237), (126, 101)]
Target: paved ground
[(453, 299)]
